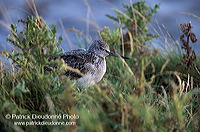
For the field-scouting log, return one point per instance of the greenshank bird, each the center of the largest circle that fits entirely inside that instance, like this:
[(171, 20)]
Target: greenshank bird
[(88, 67)]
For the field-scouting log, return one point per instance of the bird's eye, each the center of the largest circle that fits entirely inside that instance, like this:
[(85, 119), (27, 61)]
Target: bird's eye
[(104, 50), (107, 51)]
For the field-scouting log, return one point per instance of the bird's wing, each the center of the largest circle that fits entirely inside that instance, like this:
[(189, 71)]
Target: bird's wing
[(77, 63)]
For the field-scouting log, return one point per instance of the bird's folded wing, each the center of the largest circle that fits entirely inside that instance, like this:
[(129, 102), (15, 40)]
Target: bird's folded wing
[(75, 66)]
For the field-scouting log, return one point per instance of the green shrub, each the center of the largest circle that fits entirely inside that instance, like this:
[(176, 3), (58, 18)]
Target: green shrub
[(134, 22)]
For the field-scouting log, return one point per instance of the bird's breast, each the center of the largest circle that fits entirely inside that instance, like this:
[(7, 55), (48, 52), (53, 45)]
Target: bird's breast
[(100, 71), (94, 76)]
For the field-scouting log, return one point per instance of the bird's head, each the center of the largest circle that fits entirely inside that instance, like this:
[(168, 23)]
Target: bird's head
[(102, 49), (99, 48)]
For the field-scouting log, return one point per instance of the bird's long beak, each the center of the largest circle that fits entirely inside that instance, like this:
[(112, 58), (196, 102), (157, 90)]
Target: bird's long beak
[(116, 55)]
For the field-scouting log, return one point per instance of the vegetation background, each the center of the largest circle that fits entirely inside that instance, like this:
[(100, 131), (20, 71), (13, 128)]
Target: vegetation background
[(155, 90)]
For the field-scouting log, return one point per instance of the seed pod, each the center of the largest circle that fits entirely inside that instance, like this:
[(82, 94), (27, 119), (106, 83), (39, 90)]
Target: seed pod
[(193, 37)]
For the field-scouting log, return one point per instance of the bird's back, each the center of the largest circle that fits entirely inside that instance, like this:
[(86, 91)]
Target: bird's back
[(83, 61)]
